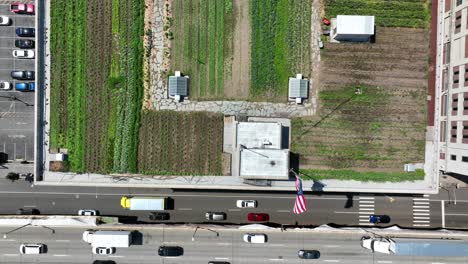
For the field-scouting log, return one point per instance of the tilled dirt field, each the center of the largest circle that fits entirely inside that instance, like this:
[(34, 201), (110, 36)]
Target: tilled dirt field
[(385, 126)]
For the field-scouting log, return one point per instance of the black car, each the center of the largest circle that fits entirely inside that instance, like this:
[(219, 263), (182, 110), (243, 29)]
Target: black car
[(25, 32), (308, 254), (159, 216), (22, 75), (104, 262), (28, 211), (170, 251), (218, 262), (24, 43)]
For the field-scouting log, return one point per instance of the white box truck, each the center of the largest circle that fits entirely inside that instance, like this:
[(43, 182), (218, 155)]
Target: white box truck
[(144, 203), (118, 239)]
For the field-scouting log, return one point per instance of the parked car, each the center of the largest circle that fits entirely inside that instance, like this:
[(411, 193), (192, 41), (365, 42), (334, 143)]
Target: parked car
[(170, 251), (308, 254), (23, 54), (246, 203), (104, 262), (22, 8), (159, 216), (258, 217), (376, 219), (23, 75), (28, 211), (5, 21), (103, 250), (25, 87), (25, 32), (5, 85), (255, 238), (88, 212), (27, 249), (25, 43), (215, 216), (218, 262)]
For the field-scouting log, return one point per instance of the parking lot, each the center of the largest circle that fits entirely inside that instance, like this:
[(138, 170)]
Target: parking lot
[(16, 108)]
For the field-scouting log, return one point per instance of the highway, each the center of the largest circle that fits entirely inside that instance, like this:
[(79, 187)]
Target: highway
[(66, 246), (190, 206)]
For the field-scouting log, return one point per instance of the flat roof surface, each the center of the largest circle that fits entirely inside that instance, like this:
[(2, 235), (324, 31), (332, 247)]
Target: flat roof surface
[(355, 25), (259, 135), (264, 163), (298, 87)]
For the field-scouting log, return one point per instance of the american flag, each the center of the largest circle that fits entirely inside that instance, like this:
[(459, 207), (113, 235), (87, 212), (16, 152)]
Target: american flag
[(300, 206)]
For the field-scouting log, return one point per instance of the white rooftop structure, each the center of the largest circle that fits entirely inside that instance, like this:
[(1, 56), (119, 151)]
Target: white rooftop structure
[(264, 163), (298, 88), (353, 28), (259, 135)]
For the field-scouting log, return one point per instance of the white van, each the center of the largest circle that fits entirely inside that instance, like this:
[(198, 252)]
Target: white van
[(255, 238), (32, 248)]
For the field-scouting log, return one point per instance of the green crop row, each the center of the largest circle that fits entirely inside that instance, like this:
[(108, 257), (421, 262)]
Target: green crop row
[(201, 51), (315, 174), (277, 46)]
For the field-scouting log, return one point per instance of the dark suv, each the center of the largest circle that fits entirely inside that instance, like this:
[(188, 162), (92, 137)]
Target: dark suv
[(24, 43), (104, 262), (161, 216), (25, 32), (170, 251)]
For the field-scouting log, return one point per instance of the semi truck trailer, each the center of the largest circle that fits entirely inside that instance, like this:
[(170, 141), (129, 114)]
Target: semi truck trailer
[(417, 246)]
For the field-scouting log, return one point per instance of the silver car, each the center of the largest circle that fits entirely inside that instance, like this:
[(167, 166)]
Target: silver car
[(215, 216)]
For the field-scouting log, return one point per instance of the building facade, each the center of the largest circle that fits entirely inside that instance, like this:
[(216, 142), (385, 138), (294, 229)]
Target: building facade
[(453, 112)]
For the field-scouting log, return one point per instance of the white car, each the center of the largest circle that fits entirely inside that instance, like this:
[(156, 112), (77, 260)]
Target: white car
[(5, 21), (32, 249), (246, 203), (5, 85), (23, 54), (255, 238), (88, 212), (103, 250)]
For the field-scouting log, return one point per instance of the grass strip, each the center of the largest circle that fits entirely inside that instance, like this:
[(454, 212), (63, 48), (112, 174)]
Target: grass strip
[(367, 176)]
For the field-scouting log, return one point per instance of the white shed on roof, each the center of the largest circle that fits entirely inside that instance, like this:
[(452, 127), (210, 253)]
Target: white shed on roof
[(353, 28), (178, 86)]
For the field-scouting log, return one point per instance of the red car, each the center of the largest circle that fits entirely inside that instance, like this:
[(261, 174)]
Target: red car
[(22, 8), (258, 217)]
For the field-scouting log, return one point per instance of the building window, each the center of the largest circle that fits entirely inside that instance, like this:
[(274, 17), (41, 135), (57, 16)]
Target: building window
[(465, 159), (458, 16), (455, 109), (459, 2), (453, 157), (454, 127)]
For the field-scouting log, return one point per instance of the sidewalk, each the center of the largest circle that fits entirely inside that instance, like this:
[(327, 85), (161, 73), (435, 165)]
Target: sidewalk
[(232, 183)]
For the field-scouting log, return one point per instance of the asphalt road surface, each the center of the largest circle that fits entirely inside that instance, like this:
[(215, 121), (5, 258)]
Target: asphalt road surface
[(66, 246), (191, 206)]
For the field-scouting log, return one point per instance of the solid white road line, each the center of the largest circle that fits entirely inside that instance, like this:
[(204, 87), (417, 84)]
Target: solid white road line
[(337, 212), (332, 260), (117, 256), (283, 211), (421, 225), (384, 261), (233, 210), (421, 217), (366, 205), (421, 206), (29, 205), (10, 255), (442, 206), (366, 197), (277, 245), (184, 209), (458, 214), (224, 244), (62, 240), (421, 221), (332, 246), (58, 255), (221, 258), (276, 259)]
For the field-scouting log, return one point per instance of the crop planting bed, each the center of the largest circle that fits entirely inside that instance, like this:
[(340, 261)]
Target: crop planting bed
[(202, 45), (380, 129), (395, 13), (181, 143), (280, 46), (96, 82)]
